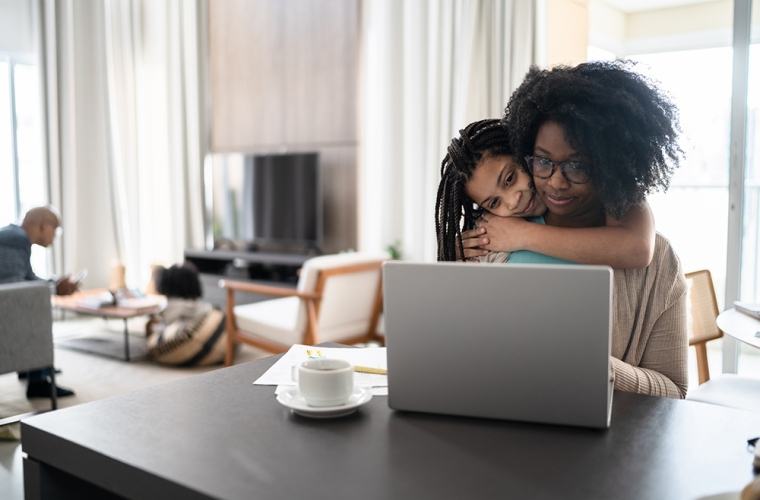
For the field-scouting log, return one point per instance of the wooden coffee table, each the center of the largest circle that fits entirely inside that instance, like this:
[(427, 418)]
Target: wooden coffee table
[(73, 303)]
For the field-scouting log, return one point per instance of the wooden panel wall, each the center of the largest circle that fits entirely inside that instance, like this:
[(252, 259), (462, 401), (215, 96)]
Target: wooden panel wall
[(284, 77)]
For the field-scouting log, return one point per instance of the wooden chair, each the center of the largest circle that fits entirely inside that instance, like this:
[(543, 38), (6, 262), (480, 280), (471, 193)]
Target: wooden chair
[(338, 299), (725, 389)]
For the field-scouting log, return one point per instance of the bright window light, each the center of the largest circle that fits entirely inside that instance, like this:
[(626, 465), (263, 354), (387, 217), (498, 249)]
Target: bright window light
[(693, 214), (7, 196)]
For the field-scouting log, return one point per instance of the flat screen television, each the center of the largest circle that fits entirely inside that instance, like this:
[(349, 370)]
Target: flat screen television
[(282, 200)]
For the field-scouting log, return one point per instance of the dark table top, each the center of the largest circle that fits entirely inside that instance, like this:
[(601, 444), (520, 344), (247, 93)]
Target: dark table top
[(218, 436)]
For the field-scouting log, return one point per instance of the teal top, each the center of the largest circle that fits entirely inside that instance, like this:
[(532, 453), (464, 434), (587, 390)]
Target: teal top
[(528, 257)]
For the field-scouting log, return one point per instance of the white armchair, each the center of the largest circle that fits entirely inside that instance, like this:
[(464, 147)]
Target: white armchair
[(338, 299)]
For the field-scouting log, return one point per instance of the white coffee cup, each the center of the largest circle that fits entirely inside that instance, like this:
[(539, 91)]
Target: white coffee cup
[(324, 382)]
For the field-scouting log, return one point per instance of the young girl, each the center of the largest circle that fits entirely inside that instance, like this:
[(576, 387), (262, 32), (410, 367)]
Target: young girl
[(181, 286), (189, 331)]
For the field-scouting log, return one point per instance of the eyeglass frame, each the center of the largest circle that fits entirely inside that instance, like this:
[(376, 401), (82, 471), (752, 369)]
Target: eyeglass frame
[(562, 165)]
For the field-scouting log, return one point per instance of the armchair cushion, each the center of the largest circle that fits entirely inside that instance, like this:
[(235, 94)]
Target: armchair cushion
[(273, 319), (729, 389), (335, 311)]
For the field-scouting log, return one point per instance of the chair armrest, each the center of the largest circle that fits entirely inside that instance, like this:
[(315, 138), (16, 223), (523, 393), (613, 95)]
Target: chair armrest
[(275, 291)]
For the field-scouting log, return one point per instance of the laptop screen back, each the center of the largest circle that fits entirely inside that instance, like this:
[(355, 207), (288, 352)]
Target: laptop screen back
[(518, 342)]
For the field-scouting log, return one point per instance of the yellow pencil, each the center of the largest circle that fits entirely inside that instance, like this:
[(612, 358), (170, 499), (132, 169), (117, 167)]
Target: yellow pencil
[(369, 369)]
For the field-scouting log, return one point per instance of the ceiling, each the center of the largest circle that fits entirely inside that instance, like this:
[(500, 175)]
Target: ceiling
[(641, 5)]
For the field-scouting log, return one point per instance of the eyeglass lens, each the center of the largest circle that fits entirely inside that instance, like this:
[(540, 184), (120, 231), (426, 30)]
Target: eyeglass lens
[(544, 168)]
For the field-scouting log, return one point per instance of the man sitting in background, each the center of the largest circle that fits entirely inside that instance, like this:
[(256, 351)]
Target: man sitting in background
[(39, 227)]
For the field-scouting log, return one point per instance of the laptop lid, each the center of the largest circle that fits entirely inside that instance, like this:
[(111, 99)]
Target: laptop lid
[(516, 342)]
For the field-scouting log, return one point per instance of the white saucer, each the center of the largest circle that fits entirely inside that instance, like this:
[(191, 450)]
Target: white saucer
[(293, 400)]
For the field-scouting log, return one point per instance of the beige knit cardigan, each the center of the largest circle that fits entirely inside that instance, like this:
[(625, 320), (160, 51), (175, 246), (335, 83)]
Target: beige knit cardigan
[(649, 331), (649, 326)]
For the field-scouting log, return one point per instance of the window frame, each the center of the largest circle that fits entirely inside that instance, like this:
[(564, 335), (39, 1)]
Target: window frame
[(12, 59), (742, 31)]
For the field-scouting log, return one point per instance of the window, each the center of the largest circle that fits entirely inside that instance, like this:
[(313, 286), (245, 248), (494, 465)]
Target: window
[(22, 173), (693, 214), (750, 270), (31, 173), (688, 46), (7, 169)]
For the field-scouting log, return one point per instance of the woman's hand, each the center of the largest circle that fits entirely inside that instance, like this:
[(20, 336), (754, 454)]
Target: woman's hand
[(473, 241), (503, 232)]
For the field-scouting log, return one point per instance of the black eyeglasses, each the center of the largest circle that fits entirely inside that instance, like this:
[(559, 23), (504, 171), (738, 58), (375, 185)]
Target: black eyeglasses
[(543, 168)]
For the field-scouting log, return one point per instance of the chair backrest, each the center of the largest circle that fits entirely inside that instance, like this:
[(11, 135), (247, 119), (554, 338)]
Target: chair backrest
[(349, 284), (702, 307), (26, 326)]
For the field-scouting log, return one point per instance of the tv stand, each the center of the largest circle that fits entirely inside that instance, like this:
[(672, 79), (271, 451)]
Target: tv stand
[(307, 250), (267, 268)]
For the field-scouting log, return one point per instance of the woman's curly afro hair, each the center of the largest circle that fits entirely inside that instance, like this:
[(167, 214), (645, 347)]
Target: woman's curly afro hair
[(624, 125)]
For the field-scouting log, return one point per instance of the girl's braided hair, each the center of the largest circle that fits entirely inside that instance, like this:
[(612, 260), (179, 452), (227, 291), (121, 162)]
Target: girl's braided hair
[(477, 140)]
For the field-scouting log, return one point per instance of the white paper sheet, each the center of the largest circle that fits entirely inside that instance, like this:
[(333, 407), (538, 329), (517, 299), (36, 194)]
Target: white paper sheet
[(280, 373)]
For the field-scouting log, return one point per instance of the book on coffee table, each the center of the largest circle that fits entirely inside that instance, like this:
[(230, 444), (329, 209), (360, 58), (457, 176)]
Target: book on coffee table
[(139, 302), (96, 301)]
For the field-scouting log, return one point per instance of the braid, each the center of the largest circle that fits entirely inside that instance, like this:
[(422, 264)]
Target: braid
[(478, 139)]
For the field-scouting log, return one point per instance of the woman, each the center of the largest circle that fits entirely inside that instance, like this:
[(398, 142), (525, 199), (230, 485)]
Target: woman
[(598, 137)]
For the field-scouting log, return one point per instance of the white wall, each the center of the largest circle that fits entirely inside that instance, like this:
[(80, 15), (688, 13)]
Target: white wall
[(16, 27), (699, 25), (567, 30)]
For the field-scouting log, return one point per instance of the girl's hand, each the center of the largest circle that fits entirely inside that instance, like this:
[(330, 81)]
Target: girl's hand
[(504, 233), (473, 241)]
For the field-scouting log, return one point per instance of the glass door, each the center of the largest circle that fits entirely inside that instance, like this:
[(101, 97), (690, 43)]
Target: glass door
[(694, 49), (7, 170), (693, 213), (750, 265)]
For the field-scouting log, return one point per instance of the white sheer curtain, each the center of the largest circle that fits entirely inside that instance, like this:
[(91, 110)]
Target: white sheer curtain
[(126, 134), (429, 69), (155, 116)]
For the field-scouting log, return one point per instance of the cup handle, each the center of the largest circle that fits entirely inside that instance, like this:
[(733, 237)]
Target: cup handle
[(294, 373)]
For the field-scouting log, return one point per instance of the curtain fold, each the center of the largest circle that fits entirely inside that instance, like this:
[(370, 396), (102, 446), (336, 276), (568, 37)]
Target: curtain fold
[(154, 90), (429, 69), (127, 132)]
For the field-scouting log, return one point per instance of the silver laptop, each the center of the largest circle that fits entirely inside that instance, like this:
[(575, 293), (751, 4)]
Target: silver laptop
[(515, 342)]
